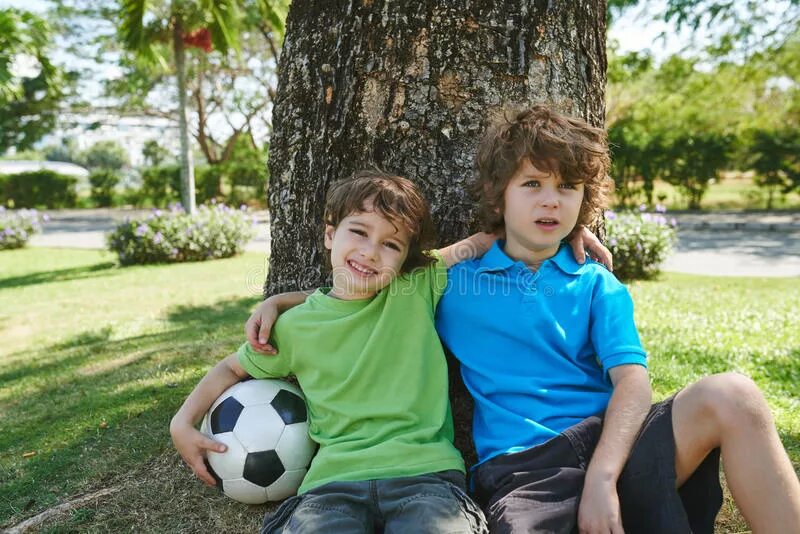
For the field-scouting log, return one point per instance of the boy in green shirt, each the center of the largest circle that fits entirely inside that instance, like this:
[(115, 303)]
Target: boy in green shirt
[(377, 397)]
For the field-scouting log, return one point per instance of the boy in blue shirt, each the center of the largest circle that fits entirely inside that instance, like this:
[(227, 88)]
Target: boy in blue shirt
[(566, 437)]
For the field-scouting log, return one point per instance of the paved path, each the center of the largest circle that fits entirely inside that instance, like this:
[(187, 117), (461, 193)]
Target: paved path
[(725, 244)]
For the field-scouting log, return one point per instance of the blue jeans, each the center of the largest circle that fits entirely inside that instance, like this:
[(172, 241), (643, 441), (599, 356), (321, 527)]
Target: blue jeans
[(434, 503)]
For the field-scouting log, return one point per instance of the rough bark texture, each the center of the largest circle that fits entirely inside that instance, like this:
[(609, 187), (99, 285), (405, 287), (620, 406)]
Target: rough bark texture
[(408, 86)]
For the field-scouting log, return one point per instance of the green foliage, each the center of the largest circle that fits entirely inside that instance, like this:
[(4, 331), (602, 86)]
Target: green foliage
[(160, 185), (775, 156), (29, 101), (103, 182), (38, 189), (17, 226), (66, 151), (105, 155), (215, 231), (154, 154), (639, 242), (692, 160)]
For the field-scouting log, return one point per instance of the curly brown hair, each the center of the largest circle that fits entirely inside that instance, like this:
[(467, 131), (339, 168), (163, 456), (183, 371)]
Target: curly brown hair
[(397, 199), (557, 143)]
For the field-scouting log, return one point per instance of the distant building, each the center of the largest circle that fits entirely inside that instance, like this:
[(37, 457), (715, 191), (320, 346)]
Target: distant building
[(130, 132)]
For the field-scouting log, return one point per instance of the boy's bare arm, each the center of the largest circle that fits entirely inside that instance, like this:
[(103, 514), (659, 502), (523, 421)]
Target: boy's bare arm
[(470, 248), (599, 508), (259, 325), (191, 443)]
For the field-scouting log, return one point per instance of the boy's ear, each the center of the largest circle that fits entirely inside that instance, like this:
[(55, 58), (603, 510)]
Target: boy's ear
[(329, 231)]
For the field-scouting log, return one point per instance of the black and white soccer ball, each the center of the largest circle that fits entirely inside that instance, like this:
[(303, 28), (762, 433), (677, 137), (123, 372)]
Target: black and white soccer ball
[(264, 423)]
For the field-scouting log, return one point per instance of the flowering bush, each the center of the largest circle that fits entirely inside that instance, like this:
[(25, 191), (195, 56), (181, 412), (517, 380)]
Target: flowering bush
[(639, 241), (215, 231), (17, 226)]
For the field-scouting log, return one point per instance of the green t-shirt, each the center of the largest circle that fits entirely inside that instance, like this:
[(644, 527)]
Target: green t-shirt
[(375, 379)]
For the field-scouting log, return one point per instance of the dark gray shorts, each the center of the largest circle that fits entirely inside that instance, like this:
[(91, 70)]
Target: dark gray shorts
[(434, 503), (538, 490)]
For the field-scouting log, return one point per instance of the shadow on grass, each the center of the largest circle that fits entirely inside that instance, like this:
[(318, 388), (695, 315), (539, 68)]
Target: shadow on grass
[(61, 275), (93, 408)]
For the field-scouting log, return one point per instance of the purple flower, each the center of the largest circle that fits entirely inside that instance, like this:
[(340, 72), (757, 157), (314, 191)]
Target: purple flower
[(674, 222), (2, 209), (642, 207), (647, 217), (610, 215), (141, 230), (174, 252), (157, 212), (243, 207), (613, 242), (10, 231), (661, 220), (158, 238), (213, 200), (639, 247), (661, 208)]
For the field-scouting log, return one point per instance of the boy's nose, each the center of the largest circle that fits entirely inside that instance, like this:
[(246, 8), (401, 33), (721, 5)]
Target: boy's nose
[(549, 199)]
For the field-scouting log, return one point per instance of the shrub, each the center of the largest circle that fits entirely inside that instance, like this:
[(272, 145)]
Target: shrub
[(639, 241), (161, 185), (17, 226), (215, 231), (38, 189), (103, 182)]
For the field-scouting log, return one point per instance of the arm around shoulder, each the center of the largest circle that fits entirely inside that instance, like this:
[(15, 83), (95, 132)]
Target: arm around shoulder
[(470, 248)]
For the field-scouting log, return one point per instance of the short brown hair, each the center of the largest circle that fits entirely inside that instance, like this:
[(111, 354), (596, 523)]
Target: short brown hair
[(397, 199), (553, 142)]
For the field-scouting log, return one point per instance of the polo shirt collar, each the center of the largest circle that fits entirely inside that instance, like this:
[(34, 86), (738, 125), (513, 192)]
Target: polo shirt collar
[(497, 260)]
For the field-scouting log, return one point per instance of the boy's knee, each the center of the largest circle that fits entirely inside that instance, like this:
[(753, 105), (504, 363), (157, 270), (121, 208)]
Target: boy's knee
[(733, 400)]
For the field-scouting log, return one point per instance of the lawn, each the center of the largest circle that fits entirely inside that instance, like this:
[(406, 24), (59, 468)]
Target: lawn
[(95, 359), (734, 192)]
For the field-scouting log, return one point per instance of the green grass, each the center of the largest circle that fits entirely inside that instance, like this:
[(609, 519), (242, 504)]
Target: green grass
[(731, 193), (95, 359)]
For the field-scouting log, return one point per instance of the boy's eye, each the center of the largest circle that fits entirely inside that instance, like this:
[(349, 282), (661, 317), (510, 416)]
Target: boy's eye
[(531, 183), (393, 246), (358, 232), (567, 186)]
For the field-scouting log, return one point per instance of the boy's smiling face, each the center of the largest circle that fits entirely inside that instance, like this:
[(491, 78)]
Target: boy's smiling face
[(367, 253), (539, 211)]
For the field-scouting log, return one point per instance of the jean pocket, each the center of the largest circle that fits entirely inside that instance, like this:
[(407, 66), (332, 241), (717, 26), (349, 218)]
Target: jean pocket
[(274, 522)]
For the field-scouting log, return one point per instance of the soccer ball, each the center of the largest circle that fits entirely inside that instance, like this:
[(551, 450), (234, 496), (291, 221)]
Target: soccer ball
[(264, 423)]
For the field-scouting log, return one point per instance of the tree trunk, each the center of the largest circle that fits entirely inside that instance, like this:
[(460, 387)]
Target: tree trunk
[(407, 85), (187, 165)]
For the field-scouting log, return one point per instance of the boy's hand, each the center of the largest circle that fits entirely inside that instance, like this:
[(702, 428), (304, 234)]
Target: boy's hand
[(599, 511), (582, 240), (192, 446), (259, 325)]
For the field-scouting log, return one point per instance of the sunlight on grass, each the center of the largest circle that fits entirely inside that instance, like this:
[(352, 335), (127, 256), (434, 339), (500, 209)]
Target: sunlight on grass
[(96, 359)]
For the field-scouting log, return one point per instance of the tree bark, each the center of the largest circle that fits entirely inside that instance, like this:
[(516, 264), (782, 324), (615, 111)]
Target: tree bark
[(407, 86), (187, 165)]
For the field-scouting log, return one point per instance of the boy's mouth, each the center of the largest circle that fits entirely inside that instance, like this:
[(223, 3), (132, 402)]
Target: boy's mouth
[(547, 222), (366, 271)]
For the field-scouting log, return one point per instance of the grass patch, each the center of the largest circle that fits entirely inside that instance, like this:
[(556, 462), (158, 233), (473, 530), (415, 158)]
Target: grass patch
[(735, 192), (95, 360)]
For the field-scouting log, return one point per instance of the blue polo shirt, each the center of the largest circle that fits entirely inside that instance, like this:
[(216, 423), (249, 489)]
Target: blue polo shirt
[(535, 348)]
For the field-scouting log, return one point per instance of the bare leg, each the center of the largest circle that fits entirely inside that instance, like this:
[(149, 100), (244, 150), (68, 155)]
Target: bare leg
[(728, 411)]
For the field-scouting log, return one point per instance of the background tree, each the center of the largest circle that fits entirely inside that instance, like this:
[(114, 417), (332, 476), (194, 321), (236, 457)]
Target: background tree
[(201, 24), (31, 86)]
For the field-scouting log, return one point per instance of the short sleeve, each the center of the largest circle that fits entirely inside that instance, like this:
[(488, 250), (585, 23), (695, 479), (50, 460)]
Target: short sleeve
[(260, 365), (613, 330), (431, 281)]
